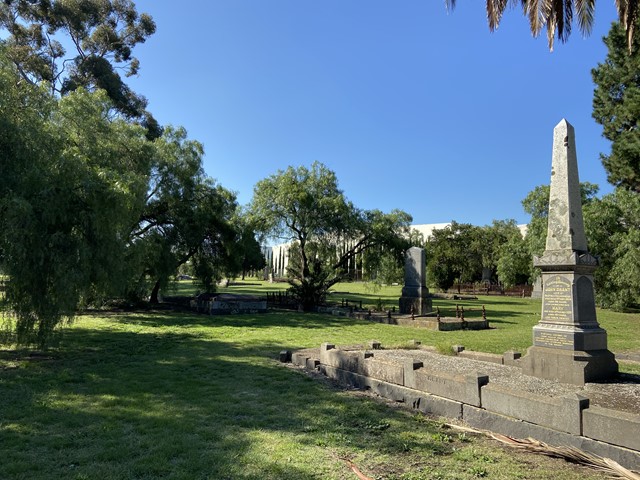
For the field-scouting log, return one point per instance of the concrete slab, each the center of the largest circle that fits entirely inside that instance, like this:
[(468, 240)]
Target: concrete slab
[(612, 426), (461, 388), (379, 369), (563, 413), (482, 419)]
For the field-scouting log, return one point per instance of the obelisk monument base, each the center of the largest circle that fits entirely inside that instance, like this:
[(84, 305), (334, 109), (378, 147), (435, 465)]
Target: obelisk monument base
[(569, 366)]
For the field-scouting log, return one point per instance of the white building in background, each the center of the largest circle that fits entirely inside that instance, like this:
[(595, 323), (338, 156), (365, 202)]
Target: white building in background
[(277, 256)]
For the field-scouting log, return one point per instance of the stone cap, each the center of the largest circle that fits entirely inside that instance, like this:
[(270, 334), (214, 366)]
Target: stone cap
[(565, 258)]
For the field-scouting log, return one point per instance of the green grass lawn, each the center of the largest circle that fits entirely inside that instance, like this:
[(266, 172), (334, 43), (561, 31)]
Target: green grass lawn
[(511, 319), (184, 396)]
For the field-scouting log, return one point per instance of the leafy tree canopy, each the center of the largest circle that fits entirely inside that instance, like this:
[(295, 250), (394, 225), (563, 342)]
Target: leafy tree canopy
[(305, 205), (101, 36), (73, 181)]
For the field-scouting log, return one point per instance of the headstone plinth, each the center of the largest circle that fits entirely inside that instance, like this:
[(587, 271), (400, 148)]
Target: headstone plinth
[(415, 294), (568, 344)]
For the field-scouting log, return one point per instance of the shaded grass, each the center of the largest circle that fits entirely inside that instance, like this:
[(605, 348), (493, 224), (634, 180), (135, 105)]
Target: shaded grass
[(183, 396)]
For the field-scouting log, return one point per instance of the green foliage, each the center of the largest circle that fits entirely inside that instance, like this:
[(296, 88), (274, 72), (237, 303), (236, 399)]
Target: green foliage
[(73, 181), (514, 262), (616, 106), (186, 217), (103, 34), (92, 209), (536, 204), (460, 252), (387, 268), (612, 225), (306, 206), (247, 255)]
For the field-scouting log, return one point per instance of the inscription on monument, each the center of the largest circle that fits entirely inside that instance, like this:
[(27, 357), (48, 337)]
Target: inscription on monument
[(558, 300), (556, 340)]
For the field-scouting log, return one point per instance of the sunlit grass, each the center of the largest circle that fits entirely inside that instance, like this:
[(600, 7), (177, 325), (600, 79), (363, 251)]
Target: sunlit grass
[(183, 396)]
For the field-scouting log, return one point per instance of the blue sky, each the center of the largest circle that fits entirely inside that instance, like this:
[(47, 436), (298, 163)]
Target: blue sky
[(412, 106)]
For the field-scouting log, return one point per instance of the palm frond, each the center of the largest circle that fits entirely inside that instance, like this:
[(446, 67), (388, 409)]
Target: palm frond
[(536, 11), (628, 14), (585, 10), (495, 9)]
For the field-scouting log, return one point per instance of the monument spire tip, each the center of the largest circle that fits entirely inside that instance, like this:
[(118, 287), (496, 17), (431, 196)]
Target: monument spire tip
[(563, 123)]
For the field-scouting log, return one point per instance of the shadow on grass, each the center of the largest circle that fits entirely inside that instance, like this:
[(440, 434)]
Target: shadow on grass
[(258, 320), (125, 404)]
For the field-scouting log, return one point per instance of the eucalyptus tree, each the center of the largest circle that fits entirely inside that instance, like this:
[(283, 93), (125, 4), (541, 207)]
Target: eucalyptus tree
[(453, 255), (305, 206), (612, 225), (79, 43), (557, 16)]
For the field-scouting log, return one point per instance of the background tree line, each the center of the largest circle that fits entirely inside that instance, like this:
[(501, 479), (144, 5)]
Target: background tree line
[(98, 201), (612, 222)]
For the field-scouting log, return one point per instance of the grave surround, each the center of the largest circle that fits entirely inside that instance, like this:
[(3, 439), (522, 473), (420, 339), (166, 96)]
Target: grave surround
[(486, 401)]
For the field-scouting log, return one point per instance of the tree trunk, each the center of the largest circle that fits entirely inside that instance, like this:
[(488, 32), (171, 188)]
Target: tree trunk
[(154, 293)]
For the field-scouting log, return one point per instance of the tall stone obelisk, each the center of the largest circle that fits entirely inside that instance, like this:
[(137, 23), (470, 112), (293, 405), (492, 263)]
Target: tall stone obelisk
[(568, 344)]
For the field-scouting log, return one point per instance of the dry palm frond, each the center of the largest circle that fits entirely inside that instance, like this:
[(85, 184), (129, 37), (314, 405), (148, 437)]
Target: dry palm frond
[(628, 11), (585, 10), (356, 470), (572, 454)]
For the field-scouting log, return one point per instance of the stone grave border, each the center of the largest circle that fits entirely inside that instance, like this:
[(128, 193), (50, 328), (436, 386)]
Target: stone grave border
[(559, 421)]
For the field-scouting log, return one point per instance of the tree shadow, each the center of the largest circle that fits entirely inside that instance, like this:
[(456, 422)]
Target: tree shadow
[(115, 403)]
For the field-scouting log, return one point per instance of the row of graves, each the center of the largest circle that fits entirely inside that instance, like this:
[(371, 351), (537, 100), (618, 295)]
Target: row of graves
[(566, 389)]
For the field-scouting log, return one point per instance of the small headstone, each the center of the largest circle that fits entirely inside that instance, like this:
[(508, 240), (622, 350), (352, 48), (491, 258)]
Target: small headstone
[(415, 298), (537, 288), (285, 356), (568, 344)]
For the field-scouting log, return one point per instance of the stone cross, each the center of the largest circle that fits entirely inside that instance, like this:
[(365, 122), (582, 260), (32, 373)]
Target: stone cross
[(568, 344)]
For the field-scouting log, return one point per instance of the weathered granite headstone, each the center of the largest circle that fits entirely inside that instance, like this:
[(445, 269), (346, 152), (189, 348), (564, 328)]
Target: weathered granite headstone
[(415, 294), (537, 288), (568, 344)]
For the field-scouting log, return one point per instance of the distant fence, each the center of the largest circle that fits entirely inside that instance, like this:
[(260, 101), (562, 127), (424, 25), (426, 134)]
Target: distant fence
[(480, 289)]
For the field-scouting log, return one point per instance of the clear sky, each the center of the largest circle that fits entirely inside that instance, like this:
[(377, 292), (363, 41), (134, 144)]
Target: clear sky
[(412, 106)]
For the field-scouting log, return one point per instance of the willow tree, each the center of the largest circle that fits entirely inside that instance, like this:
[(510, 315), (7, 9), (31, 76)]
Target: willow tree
[(557, 16), (73, 181)]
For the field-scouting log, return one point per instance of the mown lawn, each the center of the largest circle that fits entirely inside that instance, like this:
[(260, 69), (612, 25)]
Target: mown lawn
[(171, 395), (511, 319)]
